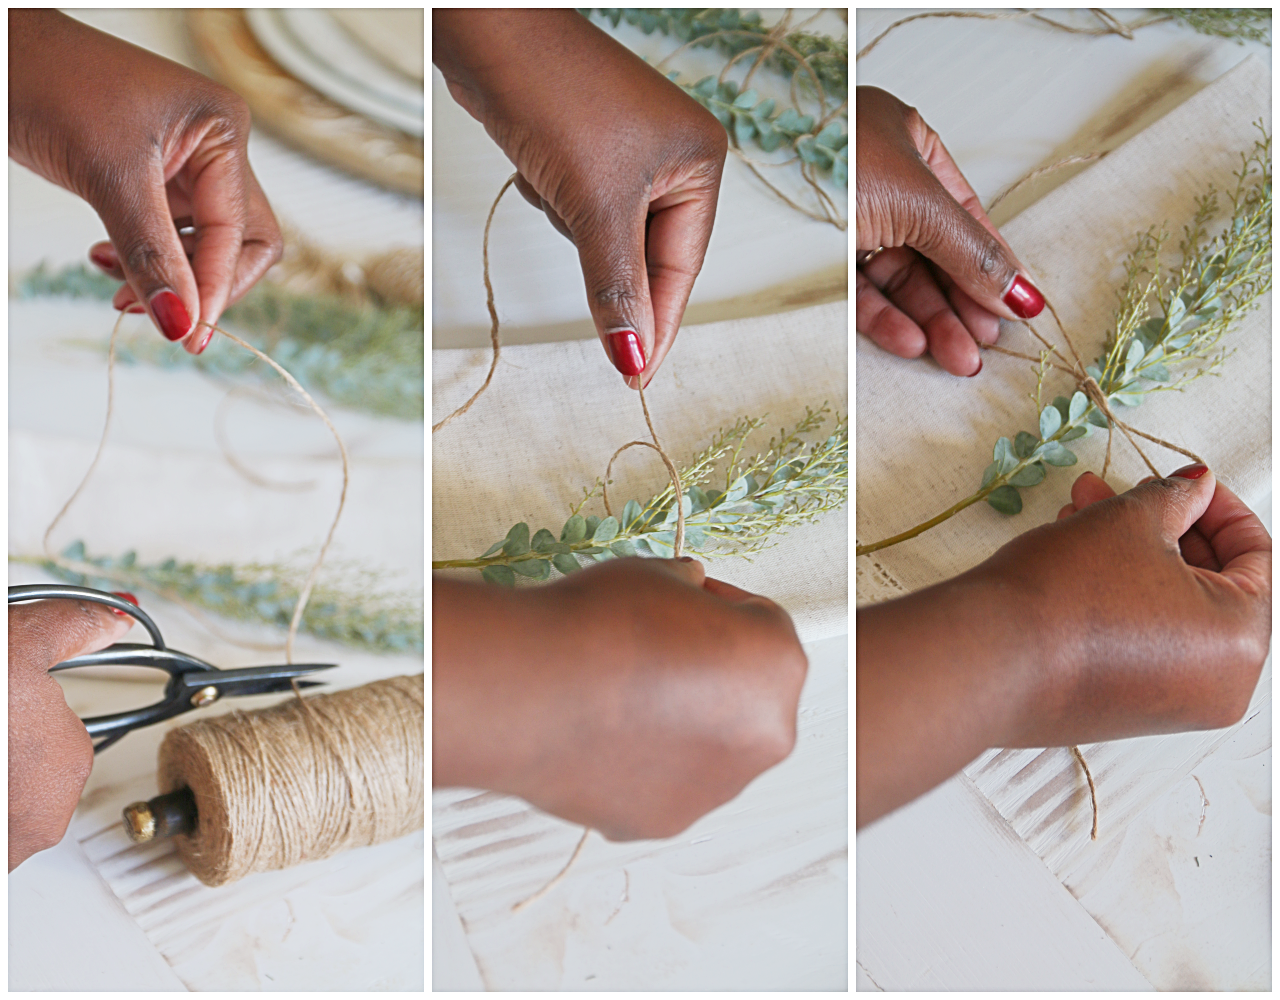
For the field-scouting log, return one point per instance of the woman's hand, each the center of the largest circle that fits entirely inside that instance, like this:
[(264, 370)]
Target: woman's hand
[(632, 697), (50, 753), (1148, 612), (159, 151), (622, 161), (946, 276)]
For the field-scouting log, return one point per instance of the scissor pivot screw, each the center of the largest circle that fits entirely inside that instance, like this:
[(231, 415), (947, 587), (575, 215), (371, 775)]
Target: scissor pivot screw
[(205, 696)]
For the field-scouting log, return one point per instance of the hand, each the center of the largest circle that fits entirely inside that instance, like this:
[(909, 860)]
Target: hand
[(159, 151), (622, 161), (948, 276), (1148, 612), (631, 697), (50, 752)]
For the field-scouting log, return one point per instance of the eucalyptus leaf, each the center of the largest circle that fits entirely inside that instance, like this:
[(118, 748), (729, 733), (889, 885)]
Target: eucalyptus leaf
[(1023, 445), (1064, 407), (623, 547), (630, 513), (501, 575), (1098, 419), (1126, 398), (1073, 434), (1079, 403), (1004, 455), (606, 531), (1157, 373), (574, 530), (1030, 475), (1050, 421), (566, 564), (494, 548), (1006, 500), (535, 569), (589, 531), (542, 540), (989, 473), (1055, 454), (517, 541)]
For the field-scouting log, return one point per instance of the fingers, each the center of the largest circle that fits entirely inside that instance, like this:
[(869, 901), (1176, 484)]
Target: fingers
[(1177, 501), (1237, 540), (151, 256), (955, 233), (611, 252), (677, 243), (878, 319), (906, 279), (53, 631)]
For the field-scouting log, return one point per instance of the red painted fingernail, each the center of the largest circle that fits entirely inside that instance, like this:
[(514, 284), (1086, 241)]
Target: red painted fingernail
[(1194, 471), (124, 595), (103, 259), (171, 314), (625, 352), (979, 368), (135, 308), (1023, 298)]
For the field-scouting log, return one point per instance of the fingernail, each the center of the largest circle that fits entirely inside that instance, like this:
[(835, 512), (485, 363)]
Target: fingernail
[(979, 369), (1023, 298), (204, 341), (1194, 471), (135, 308), (686, 558), (171, 314), (102, 259), (625, 352), (123, 595)]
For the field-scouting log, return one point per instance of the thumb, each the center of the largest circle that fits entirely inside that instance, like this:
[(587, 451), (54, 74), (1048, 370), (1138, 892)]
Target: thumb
[(686, 569), (1177, 501), (152, 257), (613, 266)]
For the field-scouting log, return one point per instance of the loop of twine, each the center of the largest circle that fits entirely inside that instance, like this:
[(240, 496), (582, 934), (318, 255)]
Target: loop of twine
[(305, 595)]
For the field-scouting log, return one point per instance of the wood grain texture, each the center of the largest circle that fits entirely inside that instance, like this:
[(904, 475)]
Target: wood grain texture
[(752, 897)]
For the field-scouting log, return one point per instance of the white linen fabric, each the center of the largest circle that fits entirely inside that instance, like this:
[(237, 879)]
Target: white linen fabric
[(555, 413), (924, 437)]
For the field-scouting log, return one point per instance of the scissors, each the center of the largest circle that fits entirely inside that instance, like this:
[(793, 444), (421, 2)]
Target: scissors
[(192, 682)]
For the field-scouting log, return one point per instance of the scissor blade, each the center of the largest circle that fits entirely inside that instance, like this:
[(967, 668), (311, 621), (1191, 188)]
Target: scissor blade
[(250, 680)]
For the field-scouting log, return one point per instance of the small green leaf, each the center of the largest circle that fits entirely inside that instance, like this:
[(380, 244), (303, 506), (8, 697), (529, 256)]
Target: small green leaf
[(630, 513), (566, 564), (500, 575), (1006, 500), (737, 490), (1093, 372), (535, 569), (1031, 475), (1151, 329), (1177, 310), (494, 548), (1098, 419), (1050, 422), (1064, 407), (623, 547), (1004, 456), (1055, 454), (989, 473), (606, 531), (1157, 373), (662, 549), (747, 99), (1075, 432), (593, 522), (1134, 357), (1024, 444), (1126, 398), (574, 530), (517, 541), (1079, 403), (542, 540)]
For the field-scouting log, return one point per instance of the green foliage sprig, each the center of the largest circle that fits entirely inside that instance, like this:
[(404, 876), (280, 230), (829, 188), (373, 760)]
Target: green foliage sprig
[(363, 355), (751, 119), (733, 32), (357, 614), (1244, 24), (1168, 320), (789, 482)]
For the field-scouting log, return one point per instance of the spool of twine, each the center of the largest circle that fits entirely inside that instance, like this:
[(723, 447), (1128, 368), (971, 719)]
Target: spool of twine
[(300, 781)]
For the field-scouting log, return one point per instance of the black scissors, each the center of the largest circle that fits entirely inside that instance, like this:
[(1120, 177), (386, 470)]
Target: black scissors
[(192, 682)]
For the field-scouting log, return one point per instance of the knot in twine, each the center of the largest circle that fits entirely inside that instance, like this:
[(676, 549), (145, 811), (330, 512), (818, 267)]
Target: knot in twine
[(1087, 384)]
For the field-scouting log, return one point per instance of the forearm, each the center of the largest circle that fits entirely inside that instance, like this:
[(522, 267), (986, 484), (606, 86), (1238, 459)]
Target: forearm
[(942, 675)]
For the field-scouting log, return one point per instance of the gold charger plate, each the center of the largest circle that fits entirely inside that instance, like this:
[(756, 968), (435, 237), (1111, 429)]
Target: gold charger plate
[(299, 114)]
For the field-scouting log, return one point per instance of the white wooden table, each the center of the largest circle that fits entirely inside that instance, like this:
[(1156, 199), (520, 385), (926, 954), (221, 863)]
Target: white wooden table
[(974, 886), (97, 913)]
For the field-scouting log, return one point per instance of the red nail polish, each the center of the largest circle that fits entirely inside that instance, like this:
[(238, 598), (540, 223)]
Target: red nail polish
[(101, 258), (124, 595), (979, 368), (1194, 471), (1023, 298), (625, 352), (135, 308), (171, 315)]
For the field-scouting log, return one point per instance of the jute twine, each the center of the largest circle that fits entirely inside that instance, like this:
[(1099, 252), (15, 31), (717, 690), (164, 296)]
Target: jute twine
[(496, 345), (307, 778), (301, 781)]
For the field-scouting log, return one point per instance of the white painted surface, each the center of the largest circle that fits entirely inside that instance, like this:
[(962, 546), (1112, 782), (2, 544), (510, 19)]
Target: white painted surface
[(134, 917), (1007, 97), (752, 897)]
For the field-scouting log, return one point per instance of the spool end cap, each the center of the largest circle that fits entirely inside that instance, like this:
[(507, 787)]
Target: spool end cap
[(139, 822)]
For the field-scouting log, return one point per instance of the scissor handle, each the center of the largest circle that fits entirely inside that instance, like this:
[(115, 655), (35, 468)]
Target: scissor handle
[(62, 591)]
